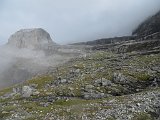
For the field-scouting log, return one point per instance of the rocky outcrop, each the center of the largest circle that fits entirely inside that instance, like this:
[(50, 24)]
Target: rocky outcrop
[(148, 45), (107, 40), (148, 30), (148, 27), (26, 91), (35, 38)]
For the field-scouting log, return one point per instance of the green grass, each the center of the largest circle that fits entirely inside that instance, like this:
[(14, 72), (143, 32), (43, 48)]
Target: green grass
[(6, 90), (71, 102), (142, 116), (4, 115), (6, 111), (41, 80)]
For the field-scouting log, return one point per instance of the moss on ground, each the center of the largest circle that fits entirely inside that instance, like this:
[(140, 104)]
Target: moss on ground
[(40, 81), (142, 116)]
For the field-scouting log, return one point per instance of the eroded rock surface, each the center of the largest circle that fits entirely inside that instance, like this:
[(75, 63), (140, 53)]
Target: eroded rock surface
[(35, 38)]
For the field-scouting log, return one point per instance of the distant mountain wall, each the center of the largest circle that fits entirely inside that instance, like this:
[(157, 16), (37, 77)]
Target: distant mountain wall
[(150, 27), (107, 40)]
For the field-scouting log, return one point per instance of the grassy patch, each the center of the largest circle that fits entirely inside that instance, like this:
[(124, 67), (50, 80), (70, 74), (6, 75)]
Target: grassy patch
[(41, 80), (71, 102), (142, 116), (6, 90), (4, 115), (141, 76)]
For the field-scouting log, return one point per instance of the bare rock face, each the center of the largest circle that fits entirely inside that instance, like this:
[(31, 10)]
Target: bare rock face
[(35, 38), (149, 26)]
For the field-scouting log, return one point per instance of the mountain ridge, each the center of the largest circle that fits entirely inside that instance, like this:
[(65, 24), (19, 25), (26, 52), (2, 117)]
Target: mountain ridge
[(149, 26)]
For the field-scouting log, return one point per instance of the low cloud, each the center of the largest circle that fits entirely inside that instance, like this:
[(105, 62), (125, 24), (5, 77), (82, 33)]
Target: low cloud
[(75, 20), (18, 65)]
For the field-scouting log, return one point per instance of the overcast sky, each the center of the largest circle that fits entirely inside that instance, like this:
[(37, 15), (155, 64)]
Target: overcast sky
[(75, 20)]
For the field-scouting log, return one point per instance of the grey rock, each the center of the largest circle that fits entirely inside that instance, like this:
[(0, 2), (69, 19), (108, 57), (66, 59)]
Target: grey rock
[(120, 78), (51, 99), (155, 83), (77, 70), (34, 86), (17, 90), (27, 91), (93, 95), (103, 82), (35, 38), (36, 93), (44, 104), (89, 86), (63, 81)]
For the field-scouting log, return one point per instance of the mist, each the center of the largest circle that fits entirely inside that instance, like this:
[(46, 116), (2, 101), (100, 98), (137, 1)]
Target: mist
[(21, 64), (14, 65), (75, 20)]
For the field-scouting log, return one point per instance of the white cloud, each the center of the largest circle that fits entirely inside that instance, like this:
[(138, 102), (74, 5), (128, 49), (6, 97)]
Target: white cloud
[(75, 20)]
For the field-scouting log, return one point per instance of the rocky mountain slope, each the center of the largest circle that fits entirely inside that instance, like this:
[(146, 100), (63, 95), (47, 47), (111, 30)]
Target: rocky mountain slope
[(150, 26), (149, 29), (107, 41), (101, 85), (117, 81)]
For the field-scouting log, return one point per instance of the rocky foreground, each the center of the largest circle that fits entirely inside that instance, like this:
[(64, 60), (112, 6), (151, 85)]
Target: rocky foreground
[(101, 85)]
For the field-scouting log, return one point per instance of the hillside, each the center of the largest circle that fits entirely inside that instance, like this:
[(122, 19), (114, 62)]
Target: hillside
[(115, 81), (148, 27), (107, 41), (101, 85)]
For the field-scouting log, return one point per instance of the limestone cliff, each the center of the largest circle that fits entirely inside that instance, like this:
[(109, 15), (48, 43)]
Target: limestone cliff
[(35, 38)]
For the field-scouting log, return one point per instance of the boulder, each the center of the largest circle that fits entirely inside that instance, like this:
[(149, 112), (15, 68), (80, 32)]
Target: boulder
[(63, 81), (93, 95), (102, 82), (36, 93), (119, 78), (17, 90), (89, 87), (27, 91)]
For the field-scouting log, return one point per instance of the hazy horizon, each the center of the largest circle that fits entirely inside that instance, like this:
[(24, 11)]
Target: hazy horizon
[(75, 21)]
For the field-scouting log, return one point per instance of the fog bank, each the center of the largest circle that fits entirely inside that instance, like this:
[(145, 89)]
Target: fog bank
[(75, 20), (18, 65)]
